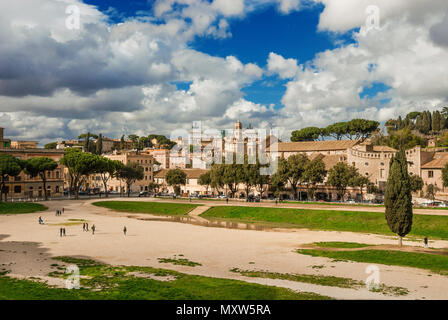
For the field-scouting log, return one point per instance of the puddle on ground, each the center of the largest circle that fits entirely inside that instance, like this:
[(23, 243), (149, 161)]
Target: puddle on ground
[(209, 223)]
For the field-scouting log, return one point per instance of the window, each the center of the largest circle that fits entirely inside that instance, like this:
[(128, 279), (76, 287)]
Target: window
[(17, 189), (366, 163), (430, 174), (57, 174)]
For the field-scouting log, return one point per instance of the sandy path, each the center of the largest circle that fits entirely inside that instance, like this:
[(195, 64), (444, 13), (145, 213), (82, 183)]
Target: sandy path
[(217, 249)]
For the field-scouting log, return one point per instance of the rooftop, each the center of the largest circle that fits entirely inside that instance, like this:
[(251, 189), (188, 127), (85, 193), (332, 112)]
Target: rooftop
[(307, 146), (439, 161)]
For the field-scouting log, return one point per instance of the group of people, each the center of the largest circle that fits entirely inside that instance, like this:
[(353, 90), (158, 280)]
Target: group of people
[(85, 227)]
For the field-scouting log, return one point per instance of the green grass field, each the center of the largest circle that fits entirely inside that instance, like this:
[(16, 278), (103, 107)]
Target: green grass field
[(434, 227), (336, 244), (335, 203), (321, 280), (156, 208), (428, 261), (24, 207), (106, 282)]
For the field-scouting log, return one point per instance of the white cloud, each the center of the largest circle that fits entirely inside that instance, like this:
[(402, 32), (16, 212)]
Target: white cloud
[(286, 6), (119, 73), (343, 15), (285, 68), (405, 59), (118, 78), (229, 7)]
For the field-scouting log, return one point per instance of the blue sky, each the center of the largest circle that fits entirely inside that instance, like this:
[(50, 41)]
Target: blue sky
[(157, 66), (254, 36)]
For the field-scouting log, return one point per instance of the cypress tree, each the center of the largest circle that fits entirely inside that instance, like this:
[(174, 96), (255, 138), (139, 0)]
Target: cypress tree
[(398, 198), (399, 123), (87, 143), (99, 145), (436, 120), (418, 123)]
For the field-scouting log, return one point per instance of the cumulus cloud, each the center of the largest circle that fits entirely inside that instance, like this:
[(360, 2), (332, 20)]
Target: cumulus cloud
[(401, 56), (344, 15), (229, 8), (112, 78), (285, 68), (286, 6), (120, 78)]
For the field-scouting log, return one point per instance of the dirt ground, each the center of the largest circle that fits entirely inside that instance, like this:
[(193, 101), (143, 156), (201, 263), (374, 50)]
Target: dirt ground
[(26, 249)]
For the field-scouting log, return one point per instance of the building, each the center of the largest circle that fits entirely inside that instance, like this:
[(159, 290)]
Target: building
[(162, 156), (24, 145), (110, 144), (146, 161), (431, 173), (330, 147), (201, 149), (370, 160), (4, 143), (23, 186), (70, 144), (191, 187)]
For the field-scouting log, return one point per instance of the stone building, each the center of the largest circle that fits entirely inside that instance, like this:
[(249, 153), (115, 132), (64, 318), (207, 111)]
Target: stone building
[(162, 156), (431, 173), (4, 143), (191, 187), (146, 161), (23, 186), (24, 145)]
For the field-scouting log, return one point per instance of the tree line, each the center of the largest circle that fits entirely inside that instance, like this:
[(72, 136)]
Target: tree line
[(80, 166), (93, 143), (353, 129), (424, 122)]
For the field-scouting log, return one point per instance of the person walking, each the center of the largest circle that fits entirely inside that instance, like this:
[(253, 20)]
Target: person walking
[(426, 242), (60, 232), (63, 231), (87, 226), (227, 200), (93, 229), (124, 230), (276, 201), (84, 226), (63, 210)]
